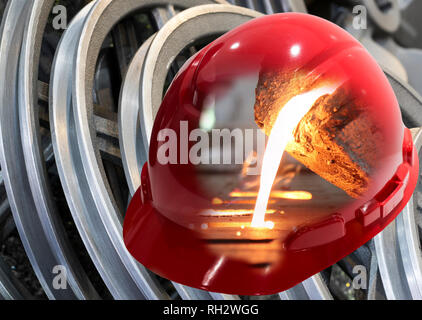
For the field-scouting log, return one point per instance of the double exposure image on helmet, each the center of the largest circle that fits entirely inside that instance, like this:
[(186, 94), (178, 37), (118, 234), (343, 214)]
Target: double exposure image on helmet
[(278, 150)]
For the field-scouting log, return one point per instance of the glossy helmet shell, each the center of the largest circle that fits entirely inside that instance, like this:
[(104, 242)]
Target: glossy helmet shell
[(243, 75)]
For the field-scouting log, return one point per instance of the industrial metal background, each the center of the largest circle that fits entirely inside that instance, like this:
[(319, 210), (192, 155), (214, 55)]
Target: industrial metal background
[(76, 111)]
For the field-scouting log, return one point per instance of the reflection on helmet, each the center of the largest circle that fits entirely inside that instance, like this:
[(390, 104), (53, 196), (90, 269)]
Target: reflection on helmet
[(280, 148)]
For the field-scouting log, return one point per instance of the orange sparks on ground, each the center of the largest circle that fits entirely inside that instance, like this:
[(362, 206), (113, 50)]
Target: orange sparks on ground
[(230, 212), (292, 195), (217, 201)]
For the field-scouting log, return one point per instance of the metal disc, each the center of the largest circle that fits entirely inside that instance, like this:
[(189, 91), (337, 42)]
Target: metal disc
[(36, 244), (134, 152), (169, 43), (385, 16), (409, 236), (84, 180), (398, 245), (33, 155)]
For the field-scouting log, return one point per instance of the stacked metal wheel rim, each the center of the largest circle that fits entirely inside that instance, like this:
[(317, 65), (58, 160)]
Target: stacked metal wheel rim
[(82, 133)]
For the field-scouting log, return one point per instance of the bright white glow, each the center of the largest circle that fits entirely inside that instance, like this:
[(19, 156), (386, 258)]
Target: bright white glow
[(235, 46), (282, 132), (230, 213), (292, 195), (209, 276), (295, 50), (207, 119)]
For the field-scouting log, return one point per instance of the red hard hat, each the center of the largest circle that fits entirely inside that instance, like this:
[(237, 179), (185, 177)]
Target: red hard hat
[(203, 218)]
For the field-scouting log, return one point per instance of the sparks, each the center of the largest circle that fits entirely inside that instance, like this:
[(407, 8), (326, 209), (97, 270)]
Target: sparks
[(230, 212), (291, 195)]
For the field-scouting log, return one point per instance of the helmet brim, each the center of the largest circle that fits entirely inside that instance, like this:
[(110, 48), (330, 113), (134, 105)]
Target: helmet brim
[(181, 255)]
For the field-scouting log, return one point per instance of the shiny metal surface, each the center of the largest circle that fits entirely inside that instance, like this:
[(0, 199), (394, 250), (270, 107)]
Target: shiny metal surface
[(92, 190), (313, 288), (398, 246), (91, 227), (167, 45), (409, 237), (410, 58), (33, 155), (399, 251), (132, 142), (272, 6), (78, 152), (385, 14), (37, 246), (385, 58), (182, 30)]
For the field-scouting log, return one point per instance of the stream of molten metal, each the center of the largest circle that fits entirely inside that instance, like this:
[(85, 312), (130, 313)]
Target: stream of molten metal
[(282, 132)]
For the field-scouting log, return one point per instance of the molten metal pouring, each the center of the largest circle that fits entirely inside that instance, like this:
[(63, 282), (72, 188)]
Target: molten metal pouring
[(282, 132)]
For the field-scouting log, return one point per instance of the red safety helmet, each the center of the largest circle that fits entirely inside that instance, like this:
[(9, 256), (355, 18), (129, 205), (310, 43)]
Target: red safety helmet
[(348, 170)]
